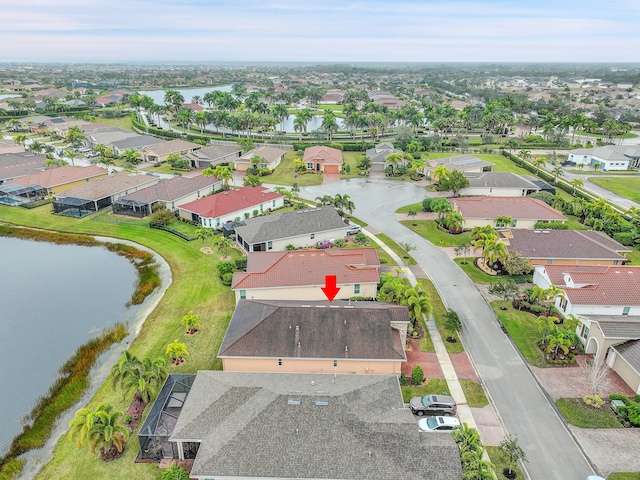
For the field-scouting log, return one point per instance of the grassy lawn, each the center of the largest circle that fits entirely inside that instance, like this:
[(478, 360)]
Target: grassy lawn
[(284, 174), (432, 387), (122, 122), (500, 462), (578, 414), (195, 286), (429, 230), (478, 276), (351, 159), (406, 258), (164, 167), (624, 476), (183, 227), (438, 310), (474, 393), (634, 256), (523, 328), (417, 207), (627, 187)]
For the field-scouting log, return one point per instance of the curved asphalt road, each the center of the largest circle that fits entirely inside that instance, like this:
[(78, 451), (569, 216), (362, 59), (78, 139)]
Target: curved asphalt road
[(522, 406)]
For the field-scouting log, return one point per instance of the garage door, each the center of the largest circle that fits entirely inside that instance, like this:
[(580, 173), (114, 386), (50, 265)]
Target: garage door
[(331, 169)]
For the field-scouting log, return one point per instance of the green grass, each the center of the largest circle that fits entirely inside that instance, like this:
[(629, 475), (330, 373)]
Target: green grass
[(438, 310), (474, 393), (417, 207), (122, 122), (624, 476), (500, 462), (164, 167), (398, 250), (284, 174), (432, 387), (429, 230), (478, 276), (523, 328), (578, 414), (604, 135), (351, 159), (195, 287), (183, 227), (627, 187), (11, 469), (634, 256)]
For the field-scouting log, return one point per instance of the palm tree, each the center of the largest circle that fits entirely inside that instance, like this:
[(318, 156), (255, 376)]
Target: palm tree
[(547, 295), (557, 172), (306, 115), (325, 200), (223, 244), (200, 119), (143, 377), (343, 203), (176, 351), (175, 472), (185, 118), (98, 427), (329, 123), (191, 323), (596, 166), (576, 183), (417, 301), (558, 340), (538, 163), (131, 155), (524, 155), (71, 155), (299, 125), (221, 172), (439, 173), (174, 100), (204, 234), (546, 325)]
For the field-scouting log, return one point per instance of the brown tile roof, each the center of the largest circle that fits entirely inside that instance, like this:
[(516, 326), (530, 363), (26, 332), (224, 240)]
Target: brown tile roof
[(230, 201), (566, 244), (308, 268), (597, 285), (268, 153), (54, 177), (267, 328), (518, 208), (326, 155), (171, 146), (171, 189), (107, 186)]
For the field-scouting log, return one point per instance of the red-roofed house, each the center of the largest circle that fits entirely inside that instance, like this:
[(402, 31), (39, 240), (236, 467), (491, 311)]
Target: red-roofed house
[(606, 300), (231, 205), (524, 211), (57, 180), (300, 274), (323, 159)]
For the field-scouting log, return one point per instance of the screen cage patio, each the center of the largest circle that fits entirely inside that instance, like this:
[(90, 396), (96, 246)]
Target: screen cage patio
[(11, 194), (153, 437), (132, 208)]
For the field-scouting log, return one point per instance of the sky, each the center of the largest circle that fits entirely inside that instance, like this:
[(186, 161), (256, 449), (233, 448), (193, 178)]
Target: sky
[(320, 30)]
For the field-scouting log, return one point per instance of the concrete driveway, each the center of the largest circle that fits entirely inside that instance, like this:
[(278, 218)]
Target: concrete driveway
[(523, 407)]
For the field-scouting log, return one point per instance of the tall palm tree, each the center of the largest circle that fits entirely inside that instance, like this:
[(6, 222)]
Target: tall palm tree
[(142, 377), (200, 119), (557, 172), (299, 125), (98, 427), (538, 163), (576, 183), (329, 123), (71, 155)]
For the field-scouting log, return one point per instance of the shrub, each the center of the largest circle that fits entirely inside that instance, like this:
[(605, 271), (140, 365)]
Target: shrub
[(227, 278), (417, 375), (551, 226), (625, 238), (290, 247), (403, 379), (340, 242), (224, 268), (594, 401), (426, 205), (241, 263), (163, 217)]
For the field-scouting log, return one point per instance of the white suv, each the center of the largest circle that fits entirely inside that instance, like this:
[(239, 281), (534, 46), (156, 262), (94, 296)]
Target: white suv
[(353, 228)]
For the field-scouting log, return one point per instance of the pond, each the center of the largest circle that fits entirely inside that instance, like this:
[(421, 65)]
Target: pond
[(54, 299), (187, 93)]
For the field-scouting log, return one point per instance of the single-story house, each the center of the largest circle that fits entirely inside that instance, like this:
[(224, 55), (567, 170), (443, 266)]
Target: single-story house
[(301, 274), (57, 180), (498, 184), (524, 211), (271, 158), (231, 205), (18, 164), (464, 163), (106, 136), (566, 247), (212, 156), (323, 159), (315, 336), (593, 289), (172, 192), (93, 196), (7, 145), (161, 151), (301, 228), (378, 156), (14, 195), (609, 157), (137, 142), (257, 425)]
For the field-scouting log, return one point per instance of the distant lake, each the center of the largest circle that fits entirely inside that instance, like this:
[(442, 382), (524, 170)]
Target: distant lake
[(187, 93), (314, 124), (12, 95), (54, 299)]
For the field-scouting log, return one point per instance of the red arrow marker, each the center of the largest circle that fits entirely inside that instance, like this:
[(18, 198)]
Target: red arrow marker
[(330, 289)]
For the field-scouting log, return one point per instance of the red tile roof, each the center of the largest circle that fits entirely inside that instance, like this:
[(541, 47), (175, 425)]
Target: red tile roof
[(518, 208), (597, 284), (326, 155), (308, 268), (230, 201), (60, 176)]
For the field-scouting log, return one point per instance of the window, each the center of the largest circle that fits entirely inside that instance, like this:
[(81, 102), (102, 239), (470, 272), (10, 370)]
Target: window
[(273, 203), (615, 262), (549, 261), (217, 222), (313, 235), (243, 294), (625, 310), (269, 245), (563, 304), (335, 363), (310, 165), (585, 334), (356, 289), (279, 362)]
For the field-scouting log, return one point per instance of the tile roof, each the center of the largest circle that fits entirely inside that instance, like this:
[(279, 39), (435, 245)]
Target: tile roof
[(249, 429), (214, 152), (54, 177), (171, 146), (499, 180), (308, 268), (566, 244), (519, 208), (269, 154), (380, 152), (630, 352), (597, 285), (137, 142), (267, 328), (290, 224), (229, 201), (457, 162), (19, 158), (107, 186), (171, 189), (324, 154), (617, 326)]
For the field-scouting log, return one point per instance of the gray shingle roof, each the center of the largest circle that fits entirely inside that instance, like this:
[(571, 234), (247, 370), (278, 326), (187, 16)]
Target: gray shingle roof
[(290, 224), (499, 180), (630, 351), (248, 429), (617, 326), (171, 189), (269, 328), (139, 141)]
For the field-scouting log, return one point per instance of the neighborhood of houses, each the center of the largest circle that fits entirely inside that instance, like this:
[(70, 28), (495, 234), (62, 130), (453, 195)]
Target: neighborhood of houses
[(287, 348)]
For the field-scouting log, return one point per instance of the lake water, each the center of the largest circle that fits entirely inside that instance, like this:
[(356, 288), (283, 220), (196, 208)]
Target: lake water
[(187, 93), (53, 299), (314, 124)]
